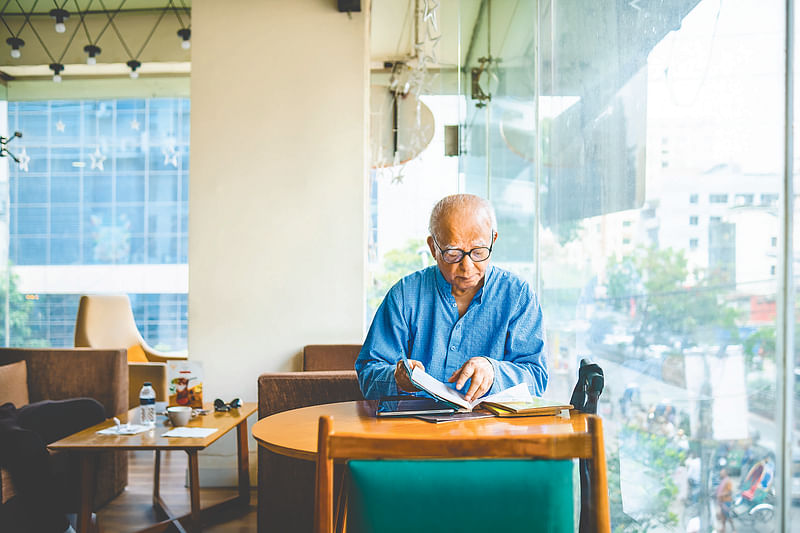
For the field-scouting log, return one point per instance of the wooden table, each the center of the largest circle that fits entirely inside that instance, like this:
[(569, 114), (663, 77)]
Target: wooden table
[(88, 441), (294, 433)]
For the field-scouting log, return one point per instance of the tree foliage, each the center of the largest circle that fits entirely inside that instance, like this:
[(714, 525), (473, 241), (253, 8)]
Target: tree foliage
[(655, 287), (396, 264), (19, 316)]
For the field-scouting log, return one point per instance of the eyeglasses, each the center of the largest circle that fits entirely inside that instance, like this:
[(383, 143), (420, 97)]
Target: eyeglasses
[(455, 255), (222, 407)]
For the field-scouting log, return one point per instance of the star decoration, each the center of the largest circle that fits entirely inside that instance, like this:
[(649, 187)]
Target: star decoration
[(97, 159), (24, 159), (60, 126), (170, 155), (135, 124)]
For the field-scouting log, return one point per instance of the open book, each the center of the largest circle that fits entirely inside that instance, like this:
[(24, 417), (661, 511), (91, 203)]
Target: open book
[(424, 381)]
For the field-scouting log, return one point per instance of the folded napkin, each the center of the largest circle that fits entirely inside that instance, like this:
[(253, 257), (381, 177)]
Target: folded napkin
[(189, 432), (125, 429)]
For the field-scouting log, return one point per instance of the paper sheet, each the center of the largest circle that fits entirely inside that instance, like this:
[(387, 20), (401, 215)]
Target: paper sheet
[(190, 433), (124, 429)]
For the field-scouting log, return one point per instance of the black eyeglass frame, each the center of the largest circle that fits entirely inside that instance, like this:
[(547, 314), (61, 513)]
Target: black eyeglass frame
[(222, 407), (464, 252)]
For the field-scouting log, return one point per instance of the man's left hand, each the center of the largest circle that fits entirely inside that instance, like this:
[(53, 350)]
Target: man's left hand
[(482, 373)]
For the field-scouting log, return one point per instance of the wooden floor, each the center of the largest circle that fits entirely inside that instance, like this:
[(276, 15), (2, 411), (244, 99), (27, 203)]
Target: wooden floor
[(133, 509)]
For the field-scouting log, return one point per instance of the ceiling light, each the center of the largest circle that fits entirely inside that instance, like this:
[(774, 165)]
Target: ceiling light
[(60, 15), (185, 34), (56, 68), (15, 43), (134, 64), (92, 52)]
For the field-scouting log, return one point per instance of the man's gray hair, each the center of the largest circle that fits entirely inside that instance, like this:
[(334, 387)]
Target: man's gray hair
[(479, 205)]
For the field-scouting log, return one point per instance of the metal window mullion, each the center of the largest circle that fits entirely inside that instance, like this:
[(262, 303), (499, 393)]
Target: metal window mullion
[(785, 339)]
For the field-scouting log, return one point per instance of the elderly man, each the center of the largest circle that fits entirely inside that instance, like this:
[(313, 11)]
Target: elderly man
[(463, 321)]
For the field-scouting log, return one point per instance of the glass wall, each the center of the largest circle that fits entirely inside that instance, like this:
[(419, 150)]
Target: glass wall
[(99, 203), (634, 153)]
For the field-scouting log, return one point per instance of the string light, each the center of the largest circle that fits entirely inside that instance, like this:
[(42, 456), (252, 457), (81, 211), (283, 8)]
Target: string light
[(60, 15), (134, 64), (16, 43), (185, 34), (92, 52), (56, 68)]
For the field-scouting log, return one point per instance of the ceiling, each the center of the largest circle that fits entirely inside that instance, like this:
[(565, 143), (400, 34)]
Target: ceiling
[(129, 37)]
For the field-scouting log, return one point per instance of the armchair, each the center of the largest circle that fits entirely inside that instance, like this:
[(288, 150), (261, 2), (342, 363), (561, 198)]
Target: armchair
[(285, 484), (57, 374), (106, 321)]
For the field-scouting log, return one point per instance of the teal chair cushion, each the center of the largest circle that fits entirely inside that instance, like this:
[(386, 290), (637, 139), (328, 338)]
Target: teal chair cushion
[(460, 496)]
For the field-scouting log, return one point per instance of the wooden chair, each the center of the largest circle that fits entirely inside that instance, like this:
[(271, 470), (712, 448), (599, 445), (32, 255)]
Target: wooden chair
[(427, 484)]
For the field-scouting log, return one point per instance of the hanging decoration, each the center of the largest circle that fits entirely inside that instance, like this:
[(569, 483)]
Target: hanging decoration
[(400, 110)]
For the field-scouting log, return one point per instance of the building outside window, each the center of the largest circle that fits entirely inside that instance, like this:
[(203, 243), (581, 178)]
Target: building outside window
[(101, 205), (693, 220), (693, 198), (718, 198)]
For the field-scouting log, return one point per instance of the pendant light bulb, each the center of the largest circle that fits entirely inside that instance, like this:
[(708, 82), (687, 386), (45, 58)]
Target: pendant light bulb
[(92, 51), (133, 65), (56, 68), (15, 43), (185, 34), (60, 15)]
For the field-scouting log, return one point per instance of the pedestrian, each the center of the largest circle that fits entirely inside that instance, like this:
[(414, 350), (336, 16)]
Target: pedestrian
[(724, 497)]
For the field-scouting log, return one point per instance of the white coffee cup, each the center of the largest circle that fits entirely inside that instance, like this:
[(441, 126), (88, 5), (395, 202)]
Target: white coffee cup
[(179, 415)]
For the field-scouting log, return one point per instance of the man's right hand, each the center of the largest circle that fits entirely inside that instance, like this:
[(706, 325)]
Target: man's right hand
[(401, 375)]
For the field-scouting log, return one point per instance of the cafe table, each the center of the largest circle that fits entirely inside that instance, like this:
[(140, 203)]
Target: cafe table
[(294, 433)]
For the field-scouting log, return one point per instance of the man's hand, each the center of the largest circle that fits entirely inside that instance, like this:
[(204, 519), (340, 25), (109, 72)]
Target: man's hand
[(482, 373), (401, 376)]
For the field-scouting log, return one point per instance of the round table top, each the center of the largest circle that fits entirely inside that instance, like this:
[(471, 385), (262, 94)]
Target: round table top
[(294, 433)]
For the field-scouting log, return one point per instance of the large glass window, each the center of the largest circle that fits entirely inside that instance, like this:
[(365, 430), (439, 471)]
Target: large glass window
[(633, 152), (98, 205)]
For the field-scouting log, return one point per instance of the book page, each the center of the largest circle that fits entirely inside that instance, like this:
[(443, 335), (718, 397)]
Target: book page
[(431, 385)]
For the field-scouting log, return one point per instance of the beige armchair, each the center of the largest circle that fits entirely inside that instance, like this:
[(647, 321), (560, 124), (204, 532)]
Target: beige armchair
[(106, 322)]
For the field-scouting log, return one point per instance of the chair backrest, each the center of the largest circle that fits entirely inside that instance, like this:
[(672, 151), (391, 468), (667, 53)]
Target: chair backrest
[(330, 356), (477, 483), (106, 321)]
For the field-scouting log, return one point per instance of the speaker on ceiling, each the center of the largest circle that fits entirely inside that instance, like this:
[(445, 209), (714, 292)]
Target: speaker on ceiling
[(349, 6)]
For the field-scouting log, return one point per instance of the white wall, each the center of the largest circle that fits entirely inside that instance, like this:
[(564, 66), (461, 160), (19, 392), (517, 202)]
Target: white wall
[(276, 204)]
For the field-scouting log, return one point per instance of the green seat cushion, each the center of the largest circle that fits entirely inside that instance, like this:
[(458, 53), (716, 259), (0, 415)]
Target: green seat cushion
[(461, 496)]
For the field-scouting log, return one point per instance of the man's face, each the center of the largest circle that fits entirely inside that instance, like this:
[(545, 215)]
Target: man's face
[(464, 230)]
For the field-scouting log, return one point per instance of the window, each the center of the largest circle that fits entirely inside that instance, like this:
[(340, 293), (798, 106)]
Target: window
[(626, 223), (718, 198), (90, 197), (773, 242), (686, 313), (769, 199)]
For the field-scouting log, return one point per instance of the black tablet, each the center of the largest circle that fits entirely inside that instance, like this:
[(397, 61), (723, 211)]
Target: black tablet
[(412, 407)]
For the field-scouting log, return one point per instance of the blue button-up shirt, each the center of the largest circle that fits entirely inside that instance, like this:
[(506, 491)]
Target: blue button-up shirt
[(419, 319)]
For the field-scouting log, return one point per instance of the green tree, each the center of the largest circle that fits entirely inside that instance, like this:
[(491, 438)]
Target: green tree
[(19, 316), (667, 304), (396, 263)]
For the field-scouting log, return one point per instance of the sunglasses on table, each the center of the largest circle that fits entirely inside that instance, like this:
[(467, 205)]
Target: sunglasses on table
[(222, 407)]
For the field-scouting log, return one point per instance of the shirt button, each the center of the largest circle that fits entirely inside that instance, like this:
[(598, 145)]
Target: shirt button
[(453, 348), (455, 305), (458, 326)]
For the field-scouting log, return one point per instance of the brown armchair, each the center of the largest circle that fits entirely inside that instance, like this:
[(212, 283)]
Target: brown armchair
[(106, 321), (286, 485), (58, 374)]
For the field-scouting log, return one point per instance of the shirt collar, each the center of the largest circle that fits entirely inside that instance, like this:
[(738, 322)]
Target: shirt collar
[(446, 289)]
